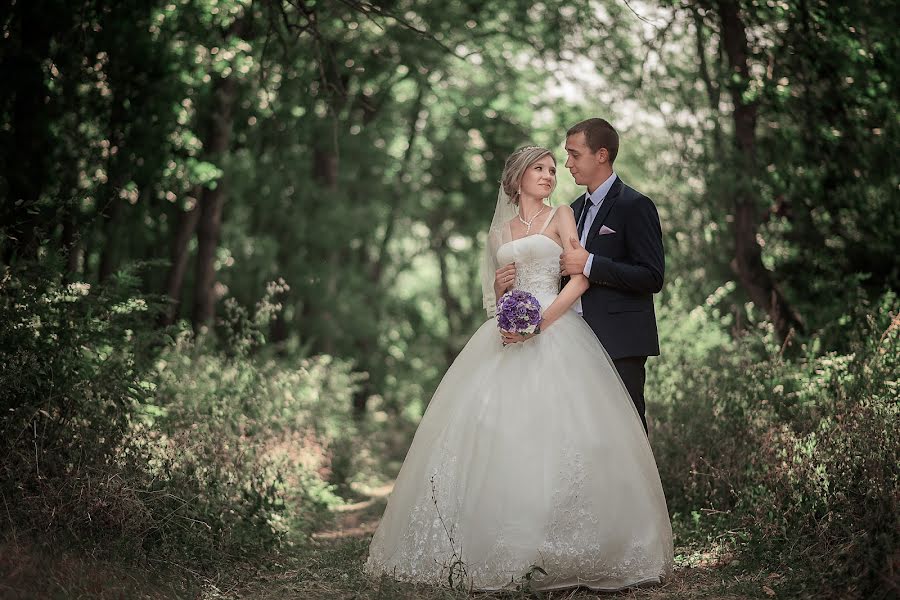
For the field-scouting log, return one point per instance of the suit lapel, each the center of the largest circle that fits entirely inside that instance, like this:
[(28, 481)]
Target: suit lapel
[(607, 205)]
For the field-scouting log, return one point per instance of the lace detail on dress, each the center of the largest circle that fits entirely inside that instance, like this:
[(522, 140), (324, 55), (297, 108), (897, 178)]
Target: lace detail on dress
[(428, 549), (538, 276), (575, 550), (576, 546)]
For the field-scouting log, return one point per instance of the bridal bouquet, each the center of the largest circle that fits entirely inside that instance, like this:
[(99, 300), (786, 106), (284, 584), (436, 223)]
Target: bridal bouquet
[(518, 312)]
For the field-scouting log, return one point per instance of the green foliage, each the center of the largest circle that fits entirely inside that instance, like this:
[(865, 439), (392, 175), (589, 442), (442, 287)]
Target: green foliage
[(181, 448), (359, 175), (822, 187), (795, 457), (240, 447), (74, 365), (355, 140)]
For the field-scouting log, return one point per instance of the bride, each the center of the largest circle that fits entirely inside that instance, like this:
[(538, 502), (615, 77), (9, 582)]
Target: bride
[(531, 461)]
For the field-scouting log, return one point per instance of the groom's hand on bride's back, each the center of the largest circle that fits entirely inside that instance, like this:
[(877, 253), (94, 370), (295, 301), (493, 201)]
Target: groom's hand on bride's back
[(573, 259)]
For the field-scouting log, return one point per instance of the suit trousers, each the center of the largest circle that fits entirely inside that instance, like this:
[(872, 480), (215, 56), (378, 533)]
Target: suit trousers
[(631, 370)]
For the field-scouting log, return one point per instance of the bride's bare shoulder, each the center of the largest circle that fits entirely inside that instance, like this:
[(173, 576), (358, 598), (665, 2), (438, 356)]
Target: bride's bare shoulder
[(565, 212)]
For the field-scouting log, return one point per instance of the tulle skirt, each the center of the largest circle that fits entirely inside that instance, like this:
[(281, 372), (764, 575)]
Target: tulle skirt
[(530, 461)]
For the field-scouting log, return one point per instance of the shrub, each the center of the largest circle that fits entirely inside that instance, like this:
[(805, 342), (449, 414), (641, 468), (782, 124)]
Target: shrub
[(74, 363), (128, 440), (241, 446), (796, 456)]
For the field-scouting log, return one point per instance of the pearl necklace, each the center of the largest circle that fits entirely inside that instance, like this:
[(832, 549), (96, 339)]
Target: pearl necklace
[(527, 224)]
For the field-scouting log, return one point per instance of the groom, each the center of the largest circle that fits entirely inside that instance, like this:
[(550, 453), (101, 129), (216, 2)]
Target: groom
[(620, 252)]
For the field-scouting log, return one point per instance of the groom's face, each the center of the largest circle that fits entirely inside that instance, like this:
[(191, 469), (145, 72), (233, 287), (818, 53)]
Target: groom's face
[(584, 165)]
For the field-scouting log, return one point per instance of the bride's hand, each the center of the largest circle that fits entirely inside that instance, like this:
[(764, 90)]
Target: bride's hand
[(509, 337), (505, 277)]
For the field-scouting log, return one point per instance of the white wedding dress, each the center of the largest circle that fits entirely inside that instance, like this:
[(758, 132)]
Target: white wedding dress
[(528, 455)]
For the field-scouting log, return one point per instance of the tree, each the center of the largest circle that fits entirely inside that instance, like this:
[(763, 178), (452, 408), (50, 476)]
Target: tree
[(754, 276)]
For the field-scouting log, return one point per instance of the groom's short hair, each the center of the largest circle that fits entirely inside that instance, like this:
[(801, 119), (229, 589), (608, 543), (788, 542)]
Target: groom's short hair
[(599, 134)]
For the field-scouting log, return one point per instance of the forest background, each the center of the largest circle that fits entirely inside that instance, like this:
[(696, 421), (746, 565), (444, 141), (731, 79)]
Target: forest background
[(240, 246)]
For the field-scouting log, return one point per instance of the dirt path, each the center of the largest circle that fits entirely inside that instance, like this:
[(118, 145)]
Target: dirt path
[(331, 568)]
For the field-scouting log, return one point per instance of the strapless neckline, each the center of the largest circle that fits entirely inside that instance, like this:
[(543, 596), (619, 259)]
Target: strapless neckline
[(547, 237)]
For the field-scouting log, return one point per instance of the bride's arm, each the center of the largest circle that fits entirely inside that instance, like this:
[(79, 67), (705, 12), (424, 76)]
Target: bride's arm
[(578, 284)]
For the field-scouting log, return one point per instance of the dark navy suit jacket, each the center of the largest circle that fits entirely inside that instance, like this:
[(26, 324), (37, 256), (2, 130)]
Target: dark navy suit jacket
[(628, 268)]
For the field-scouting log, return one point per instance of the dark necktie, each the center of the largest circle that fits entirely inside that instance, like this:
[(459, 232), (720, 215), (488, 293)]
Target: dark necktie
[(583, 218)]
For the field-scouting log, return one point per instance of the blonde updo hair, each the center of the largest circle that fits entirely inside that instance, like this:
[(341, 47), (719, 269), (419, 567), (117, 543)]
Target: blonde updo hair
[(515, 167)]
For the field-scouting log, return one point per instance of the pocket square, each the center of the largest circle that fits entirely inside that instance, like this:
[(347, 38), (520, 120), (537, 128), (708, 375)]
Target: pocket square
[(604, 230)]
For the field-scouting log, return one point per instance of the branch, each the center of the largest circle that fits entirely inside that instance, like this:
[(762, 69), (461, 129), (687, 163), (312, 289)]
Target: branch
[(366, 7), (650, 23), (654, 45), (713, 92), (376, 268)]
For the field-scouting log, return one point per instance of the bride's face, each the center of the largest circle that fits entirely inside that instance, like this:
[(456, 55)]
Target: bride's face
[(539, 178)]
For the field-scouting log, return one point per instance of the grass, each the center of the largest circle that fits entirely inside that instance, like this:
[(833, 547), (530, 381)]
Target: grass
[(329, 565), (31, 571)]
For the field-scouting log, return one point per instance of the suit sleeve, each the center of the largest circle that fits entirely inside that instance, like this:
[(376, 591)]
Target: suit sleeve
[(646, 264)]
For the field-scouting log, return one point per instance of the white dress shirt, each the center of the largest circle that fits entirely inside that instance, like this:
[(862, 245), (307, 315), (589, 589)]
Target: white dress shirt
[(596, 202)]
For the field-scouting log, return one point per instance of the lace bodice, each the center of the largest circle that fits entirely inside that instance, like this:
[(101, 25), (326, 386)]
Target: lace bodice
[(537, 263)]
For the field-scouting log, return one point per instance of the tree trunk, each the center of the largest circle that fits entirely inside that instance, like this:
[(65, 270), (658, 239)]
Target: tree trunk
[(278, 329), (70, 244), (713, 90), (69, 215), (326, 159), (211, 203), (376, 263), (747, 262), (376, 267), (325, 172), (26, 156), (187, 226), (363, 348), (452, 308), (117, 177), (278, 332), (109, 254), (218, 141)]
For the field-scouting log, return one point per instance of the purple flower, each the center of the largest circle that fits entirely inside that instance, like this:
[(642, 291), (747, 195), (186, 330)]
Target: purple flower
[(518, 312)]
